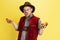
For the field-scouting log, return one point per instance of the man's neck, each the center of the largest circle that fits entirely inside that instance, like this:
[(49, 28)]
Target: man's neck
[(29, 16)]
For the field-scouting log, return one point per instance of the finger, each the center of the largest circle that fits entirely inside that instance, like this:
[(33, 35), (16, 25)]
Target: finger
[(46, 23)]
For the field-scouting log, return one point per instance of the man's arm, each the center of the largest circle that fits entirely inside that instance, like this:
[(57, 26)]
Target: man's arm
[(40, 30), (41, 26), (15, 25)]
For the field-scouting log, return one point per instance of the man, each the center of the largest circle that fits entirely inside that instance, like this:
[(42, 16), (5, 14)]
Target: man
[(29, 25)]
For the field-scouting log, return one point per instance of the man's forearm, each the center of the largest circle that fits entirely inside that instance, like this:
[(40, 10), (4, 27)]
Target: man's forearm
[(41, 31), (15, 25)]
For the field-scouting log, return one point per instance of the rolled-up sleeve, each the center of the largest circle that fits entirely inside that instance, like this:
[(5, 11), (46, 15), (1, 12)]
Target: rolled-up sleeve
[(39, 22)]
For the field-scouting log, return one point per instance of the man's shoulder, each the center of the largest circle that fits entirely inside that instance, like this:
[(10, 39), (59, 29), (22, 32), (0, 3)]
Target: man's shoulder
[(23, 17), (36, 17)]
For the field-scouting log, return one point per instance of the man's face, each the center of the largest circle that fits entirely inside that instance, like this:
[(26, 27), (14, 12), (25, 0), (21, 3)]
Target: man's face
[(27, 11)]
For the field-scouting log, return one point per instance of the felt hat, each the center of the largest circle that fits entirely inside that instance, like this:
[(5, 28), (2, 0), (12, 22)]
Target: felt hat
[(27, 4)]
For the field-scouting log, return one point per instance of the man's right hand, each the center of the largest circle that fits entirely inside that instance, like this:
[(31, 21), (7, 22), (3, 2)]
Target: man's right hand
[(13, 23)]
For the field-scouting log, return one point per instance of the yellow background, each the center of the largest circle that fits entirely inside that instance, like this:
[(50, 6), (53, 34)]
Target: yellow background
[(47, 10)]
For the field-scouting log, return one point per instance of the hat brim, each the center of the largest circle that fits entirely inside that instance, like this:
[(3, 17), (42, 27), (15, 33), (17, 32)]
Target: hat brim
[(21, 7)]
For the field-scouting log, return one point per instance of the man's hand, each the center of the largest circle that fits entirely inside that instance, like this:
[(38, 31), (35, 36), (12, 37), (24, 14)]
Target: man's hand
[(13, 23), (43, 25)]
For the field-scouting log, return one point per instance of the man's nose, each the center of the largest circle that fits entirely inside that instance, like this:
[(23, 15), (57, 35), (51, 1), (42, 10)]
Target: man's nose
[(26, 11)]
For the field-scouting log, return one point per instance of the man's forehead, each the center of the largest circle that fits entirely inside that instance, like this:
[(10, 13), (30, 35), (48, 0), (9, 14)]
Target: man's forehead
[(26, 7)]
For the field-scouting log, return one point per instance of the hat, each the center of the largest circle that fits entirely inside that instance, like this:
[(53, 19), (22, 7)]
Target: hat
[(27, 4)]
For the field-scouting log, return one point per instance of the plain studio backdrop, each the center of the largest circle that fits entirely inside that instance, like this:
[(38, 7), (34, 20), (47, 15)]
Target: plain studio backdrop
[(47, 10)]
